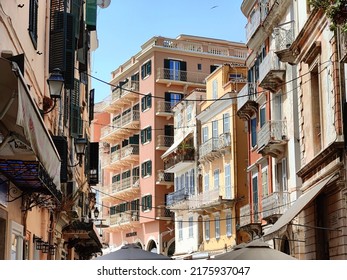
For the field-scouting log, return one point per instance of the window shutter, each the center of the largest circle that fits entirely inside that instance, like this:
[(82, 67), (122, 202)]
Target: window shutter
[(76, 125), (142, 71), (57, 35), (60, 143), (70, 53), (149, 168), (93, 174), (91, 105), (142, 170), (91, 12), (149, 100), (150, 202), (149, 67), (143, 204), (149, 133), (142, 136), (143, 99), (76, 11)]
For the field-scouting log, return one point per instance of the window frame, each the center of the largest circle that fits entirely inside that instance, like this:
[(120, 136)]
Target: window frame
[(33, 21)]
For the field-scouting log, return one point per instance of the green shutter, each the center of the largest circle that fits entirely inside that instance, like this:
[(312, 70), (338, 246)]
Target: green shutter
[(143, 99), (70, 53), (91, 9), (150, 202), (142, 170), (143, 203), (149, 67), (149, 133), (76, 123), (149, 100), (142, 136), (149, 167)]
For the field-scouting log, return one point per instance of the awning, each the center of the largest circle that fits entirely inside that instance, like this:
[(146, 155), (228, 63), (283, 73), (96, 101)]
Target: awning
[(176, 144), (25, 138), (297, 207), (83, 237)]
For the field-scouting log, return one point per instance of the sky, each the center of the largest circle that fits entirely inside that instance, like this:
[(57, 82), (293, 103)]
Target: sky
[(125, 25)]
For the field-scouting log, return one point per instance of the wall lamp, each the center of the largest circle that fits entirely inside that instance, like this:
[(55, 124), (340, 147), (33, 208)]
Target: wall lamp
[(39, 244), (80, 148), (55, 84)]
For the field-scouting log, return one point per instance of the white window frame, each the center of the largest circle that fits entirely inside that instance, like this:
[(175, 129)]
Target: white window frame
[(180, 230), (265, 181), (227, 174), (216, 179), (17, 241), (215, 89), (228, 224), (207, 229), (206, 182), (217, 226), (191, 231)]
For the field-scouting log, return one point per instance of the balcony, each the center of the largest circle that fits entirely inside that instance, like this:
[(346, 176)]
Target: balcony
[(264, 20), (284, 37), (164, 142), (177, 199), (126, 188), (124, 157), (249, 220), (274, 205), (164, 109), (271, 73), (215, 147), (164, 178), (121, 127), (124, 96), (272, 138), (179, 161), (177, 77), (124, 220), (246, 104), (206, 199), (163, 213)]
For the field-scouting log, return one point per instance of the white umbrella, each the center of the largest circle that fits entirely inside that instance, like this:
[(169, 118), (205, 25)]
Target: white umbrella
[(255, 250), (132, 252)]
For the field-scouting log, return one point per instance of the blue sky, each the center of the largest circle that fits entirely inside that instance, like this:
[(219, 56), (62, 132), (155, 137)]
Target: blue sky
[(125, 25)]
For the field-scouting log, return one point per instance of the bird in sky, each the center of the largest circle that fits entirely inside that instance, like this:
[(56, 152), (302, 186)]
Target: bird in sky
[(214, 7)]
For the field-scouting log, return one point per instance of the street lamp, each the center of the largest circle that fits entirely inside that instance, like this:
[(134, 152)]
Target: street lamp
[(80, 147), (55, 85)]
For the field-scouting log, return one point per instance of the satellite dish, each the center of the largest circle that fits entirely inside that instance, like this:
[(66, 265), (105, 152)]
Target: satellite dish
[(103, 3)]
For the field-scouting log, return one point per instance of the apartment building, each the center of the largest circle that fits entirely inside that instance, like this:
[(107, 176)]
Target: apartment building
[(145, 89), (44, 179), (222, 158), (293, 106)]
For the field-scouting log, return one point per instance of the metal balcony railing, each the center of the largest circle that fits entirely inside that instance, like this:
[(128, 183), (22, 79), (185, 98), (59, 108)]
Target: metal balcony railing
[(209, 146), (272, 132), (275, 203), (179, 158), (165, 141), (124, 217), (177, 196), (183, 76), (163, 177), (247, 93), (270, 63), (204, 199), (284, 36)]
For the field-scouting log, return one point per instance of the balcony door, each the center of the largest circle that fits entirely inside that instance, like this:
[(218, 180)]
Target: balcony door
[(175, 70)]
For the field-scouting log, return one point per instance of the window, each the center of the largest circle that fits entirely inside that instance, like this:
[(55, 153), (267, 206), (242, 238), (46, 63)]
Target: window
[(146, 168), (147, 203), (115, 178), (33, 14), (146, 135), (235, 76), (284, 174), (264, 181), (199, 67), (213, 67), (217, 226), (253, 132), (227, 170), (255, 196), (204, 134), (175, 70), (216, 179), (180, 230), (172, 98), (16, 241), (226, 123), (206, 182), (191, 233), (207, 229), (146, 102), (229, 224), (146, 69), (215, 89), (192, 182), (262, 116)]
